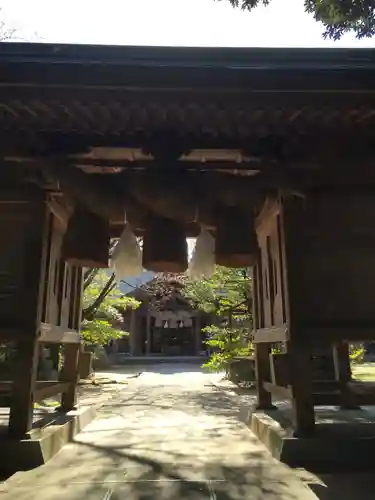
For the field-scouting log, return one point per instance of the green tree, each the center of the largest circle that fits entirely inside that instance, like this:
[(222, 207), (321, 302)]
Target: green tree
[(103, 305), (227, 295), (337, 16)]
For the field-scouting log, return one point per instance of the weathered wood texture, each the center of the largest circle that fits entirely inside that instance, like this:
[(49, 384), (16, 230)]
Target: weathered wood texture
[(271, 254), (21, 246), (39, 298), (333, 249), (315, 274), (70, 374), (24, 223), (51, 306), (270, 335), (54, 334)]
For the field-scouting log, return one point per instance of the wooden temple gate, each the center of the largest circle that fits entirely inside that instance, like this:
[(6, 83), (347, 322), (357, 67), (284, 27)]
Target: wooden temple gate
[(40, 301), (270, 150)]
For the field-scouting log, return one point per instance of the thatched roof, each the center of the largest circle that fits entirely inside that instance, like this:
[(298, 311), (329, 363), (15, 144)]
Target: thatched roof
[(165, 291)]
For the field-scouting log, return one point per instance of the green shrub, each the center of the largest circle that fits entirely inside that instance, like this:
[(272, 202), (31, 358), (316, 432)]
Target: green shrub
[(356, 353)]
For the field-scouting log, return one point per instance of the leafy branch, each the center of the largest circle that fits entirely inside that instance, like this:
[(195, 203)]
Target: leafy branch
[(227, 295), (103, 306), (337, 16)]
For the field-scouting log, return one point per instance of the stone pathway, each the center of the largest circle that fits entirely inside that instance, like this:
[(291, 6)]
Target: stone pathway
[(170, 435)]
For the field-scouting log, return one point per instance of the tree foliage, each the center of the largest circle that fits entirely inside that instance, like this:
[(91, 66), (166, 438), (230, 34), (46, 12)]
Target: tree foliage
[(227, 295), (228, 289), (103, 304), (337, 16)]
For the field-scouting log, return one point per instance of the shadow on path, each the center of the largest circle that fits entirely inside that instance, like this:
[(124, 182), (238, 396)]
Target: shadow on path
[(164, 442)]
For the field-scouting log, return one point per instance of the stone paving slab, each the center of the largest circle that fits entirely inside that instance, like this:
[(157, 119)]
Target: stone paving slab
[(169, 490), (168, 436)]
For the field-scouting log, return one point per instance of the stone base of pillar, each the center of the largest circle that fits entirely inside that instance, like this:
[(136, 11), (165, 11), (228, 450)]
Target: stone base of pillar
[(318, 453)]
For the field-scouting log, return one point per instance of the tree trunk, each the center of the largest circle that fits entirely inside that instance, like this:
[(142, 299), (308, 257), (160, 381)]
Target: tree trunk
[(109, 286)]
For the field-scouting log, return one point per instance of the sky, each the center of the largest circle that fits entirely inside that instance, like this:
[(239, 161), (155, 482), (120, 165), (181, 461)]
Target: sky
[(168, 22)]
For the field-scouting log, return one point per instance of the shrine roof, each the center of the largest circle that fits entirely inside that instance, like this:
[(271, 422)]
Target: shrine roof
[(214, 104), (108, 65)]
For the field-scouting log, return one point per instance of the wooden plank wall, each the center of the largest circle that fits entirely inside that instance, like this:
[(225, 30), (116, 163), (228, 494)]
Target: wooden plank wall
[(271, 300), (36, 288), (317, 271), (51, 306), (333, 240), (330, 245), (63, 292), (20, 235)]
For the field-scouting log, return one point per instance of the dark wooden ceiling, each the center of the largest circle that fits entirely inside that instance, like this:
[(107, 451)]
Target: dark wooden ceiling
[(57, 99), (277, 117), (297, 107)]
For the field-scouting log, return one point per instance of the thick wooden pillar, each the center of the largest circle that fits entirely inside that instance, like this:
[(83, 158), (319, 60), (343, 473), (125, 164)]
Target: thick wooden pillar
[(148, 333), (132, 339), (343, 374), (261, 351), (71, 352), (262, 374), (298, 349), (70, 374), (278, 319), (75, 305), (299, 359), (314, 292), (24, 223), (25, 375)]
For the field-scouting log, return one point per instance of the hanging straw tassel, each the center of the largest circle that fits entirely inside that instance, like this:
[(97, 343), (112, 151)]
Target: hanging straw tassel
[(202, 263), (126, 260)]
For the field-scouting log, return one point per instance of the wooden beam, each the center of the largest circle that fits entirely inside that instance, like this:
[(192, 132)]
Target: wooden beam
[(61, 212), (133, 338), (148, 333), (279, 369), (262, 373), (58, 335), (44, 390), (209, 165), (327, 398), (278, 391), (6, 385), (270, 335), (262, 365), (70, 375), (359, 397), (343, 373), (325, 385), (84, 189), (25, 364), (270, 209), (331, 334), (48, 333), (75, 299), (253, 160)]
